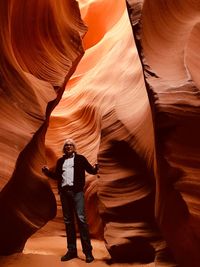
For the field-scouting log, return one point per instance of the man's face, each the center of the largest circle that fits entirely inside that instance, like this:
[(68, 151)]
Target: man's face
[(69, 148)]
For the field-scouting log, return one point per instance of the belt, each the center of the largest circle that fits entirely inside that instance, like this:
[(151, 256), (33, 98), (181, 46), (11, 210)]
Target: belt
[(68, 187)]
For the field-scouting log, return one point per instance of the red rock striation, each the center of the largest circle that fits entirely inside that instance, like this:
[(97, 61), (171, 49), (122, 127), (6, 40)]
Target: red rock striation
[(39, 52), (166, 34), (105, 108), (132, 104)]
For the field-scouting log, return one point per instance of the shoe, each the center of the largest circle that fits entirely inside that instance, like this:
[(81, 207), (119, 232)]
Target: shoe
[(68, 256), (89, 258)]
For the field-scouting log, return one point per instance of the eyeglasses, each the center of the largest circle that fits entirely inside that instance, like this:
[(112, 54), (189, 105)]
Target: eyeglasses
[(69, 145)]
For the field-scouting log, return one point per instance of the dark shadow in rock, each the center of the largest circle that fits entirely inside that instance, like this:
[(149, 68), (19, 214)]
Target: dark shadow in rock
[(138, 250)]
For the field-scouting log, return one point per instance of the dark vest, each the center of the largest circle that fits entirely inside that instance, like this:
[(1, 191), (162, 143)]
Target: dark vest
[(81, 165)]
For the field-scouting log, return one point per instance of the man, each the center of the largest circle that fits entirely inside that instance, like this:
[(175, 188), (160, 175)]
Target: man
[(70, 175)]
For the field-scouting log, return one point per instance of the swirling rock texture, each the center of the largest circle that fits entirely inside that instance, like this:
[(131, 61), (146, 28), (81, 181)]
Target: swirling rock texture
[(139, 121), (167, 34), (39, 52), (113, 120), (105, 108)]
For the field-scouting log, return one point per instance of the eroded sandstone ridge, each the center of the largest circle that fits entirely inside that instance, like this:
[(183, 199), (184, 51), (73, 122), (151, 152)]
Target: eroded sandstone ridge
[(148, 166), (167, 35), (132, 104), (106, 109), (39, 52)]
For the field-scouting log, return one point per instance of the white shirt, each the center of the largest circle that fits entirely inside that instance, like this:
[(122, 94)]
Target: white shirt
[(68, 172)]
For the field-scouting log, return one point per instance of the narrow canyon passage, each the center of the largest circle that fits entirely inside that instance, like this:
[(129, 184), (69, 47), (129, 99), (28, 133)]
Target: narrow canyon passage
[(122, 79)]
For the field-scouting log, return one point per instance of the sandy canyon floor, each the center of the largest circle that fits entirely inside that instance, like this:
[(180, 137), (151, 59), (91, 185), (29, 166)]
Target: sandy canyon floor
[(46, 252)]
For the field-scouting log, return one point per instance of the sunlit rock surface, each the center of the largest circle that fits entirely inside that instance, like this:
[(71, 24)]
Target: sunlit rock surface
[(113, 122), (141, 127), (105, 108), (38, 55)]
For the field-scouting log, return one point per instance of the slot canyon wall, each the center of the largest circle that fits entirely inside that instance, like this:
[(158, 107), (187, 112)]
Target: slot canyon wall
[(39, 52), (126, 88), (167, 35)]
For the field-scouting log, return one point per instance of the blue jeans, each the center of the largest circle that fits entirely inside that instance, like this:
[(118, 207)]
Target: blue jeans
[(73, 206)]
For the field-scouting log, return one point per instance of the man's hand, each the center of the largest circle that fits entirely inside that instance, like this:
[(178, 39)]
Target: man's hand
[(45, 170), (96, 166)]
